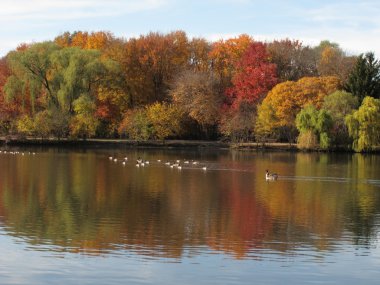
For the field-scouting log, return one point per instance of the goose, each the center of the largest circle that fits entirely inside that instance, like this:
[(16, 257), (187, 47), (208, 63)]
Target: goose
[(270, 176)]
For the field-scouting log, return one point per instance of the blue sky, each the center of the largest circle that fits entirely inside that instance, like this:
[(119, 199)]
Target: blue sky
[(355, 25)]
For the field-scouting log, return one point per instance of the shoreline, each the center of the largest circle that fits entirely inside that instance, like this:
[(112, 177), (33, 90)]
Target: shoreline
[(53, 142), (242, 146)]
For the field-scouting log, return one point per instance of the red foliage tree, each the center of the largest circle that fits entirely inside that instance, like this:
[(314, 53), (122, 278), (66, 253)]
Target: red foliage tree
[(254, 77)]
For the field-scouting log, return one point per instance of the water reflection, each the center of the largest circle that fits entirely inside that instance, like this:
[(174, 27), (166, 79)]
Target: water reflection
[(80, 201)]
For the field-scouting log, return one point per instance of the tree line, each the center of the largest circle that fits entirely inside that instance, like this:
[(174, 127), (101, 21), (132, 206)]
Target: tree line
[(162, 86)]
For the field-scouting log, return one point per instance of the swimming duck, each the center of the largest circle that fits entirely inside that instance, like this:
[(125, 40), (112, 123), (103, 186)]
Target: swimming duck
[(270, 176)]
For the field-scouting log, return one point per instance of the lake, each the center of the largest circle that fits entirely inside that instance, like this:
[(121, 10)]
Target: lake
[(75, 216)]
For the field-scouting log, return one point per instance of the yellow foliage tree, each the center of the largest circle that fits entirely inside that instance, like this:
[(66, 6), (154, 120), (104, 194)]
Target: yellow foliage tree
[(165, 118), (286, 99)]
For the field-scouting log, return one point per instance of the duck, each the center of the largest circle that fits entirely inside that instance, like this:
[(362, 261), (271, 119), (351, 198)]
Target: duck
[(270, 176)]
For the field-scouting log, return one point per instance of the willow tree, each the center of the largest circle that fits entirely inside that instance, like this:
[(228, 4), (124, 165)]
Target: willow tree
[(364, 125), (59, 75), (314, 126)]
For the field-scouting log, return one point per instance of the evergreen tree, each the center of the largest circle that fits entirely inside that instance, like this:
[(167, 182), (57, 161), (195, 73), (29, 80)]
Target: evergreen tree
[(364, 79)]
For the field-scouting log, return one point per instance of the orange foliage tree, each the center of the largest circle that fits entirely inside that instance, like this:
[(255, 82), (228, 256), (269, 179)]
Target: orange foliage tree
[(225, 54), (150, 63)]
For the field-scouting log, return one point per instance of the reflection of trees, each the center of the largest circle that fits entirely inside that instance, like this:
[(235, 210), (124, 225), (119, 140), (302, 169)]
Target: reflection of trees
[(363, 209), (315, 211), (83, 202)]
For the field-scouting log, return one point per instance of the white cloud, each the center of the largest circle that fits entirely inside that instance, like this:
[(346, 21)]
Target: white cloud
[(349, 14), (16, 10)]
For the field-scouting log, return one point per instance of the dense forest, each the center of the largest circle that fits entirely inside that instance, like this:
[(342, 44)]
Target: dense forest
[(164, 86)]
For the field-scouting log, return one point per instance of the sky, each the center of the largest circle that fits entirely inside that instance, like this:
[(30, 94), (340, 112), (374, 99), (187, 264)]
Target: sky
[(354, 25)]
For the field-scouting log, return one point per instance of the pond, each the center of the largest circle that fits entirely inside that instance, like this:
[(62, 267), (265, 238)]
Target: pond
[(75, 216)]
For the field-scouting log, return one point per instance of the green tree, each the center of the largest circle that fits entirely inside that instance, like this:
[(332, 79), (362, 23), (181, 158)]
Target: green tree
[(60, 74), (339, 104), (319, 122), (84, 123), (364, 80), (364, 125)]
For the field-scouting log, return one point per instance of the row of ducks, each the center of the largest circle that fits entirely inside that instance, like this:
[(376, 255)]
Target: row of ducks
[(140, 162), (177, 164), (16, 152)]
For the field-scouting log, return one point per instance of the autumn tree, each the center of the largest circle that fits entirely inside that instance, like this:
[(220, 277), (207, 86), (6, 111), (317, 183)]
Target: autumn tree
[(364, 80), (286, 99), (333, 61), (237, 124), (151, 62), (84, 123), (293, 59), (254, 76), (166, 120), (198, 95), (199, 55), (225, 54), (364, 125), (136, 125)]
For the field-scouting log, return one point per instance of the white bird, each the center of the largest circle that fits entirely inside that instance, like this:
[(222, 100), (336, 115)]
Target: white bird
[(204, 167), (195, 162), (270, 176), (115, 160), (179, 167), (186, 162), (158, 160), (123, 163), (110, 158), (125, 158)]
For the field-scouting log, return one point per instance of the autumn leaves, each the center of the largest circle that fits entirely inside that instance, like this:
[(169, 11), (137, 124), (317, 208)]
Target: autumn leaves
[(160, 86)]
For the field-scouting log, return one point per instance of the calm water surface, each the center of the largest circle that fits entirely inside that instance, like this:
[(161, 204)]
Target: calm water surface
[(76, 217)]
